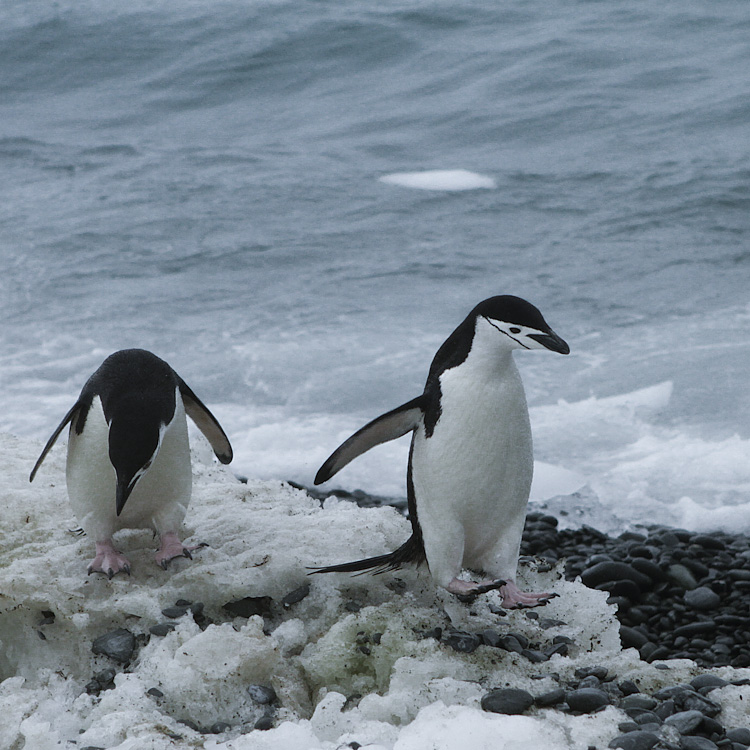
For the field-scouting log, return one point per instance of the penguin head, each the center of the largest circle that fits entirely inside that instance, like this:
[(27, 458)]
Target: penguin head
[(134, 442), (519, 324)]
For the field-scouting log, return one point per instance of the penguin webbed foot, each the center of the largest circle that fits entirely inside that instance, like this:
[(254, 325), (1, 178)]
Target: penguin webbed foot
[(108, 560), (467, 591), (514, 598), (172, 548)]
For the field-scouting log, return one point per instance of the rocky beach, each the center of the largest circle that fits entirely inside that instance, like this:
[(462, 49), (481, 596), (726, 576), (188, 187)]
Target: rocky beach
[(645, 645)]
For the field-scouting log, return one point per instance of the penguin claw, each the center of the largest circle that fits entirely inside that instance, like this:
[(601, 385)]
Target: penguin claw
[(108, 561), (171, 548)]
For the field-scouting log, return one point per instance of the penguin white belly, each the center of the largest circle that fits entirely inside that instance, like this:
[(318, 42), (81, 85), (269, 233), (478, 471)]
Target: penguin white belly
[(473, 474), (159, 499)]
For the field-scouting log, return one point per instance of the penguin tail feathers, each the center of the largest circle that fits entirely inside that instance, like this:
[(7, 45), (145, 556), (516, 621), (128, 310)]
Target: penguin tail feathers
[(412, 551)]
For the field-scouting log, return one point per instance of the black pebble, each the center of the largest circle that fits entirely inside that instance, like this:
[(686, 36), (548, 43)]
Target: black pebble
[(698, 743), (265, 722), (295, 596), (612, 572), (507, 701), (638, 740), (219, 727), (262, 694), (597, 671), (461, 641), (587, 700), (740, 735), (175, 612), (702, 598), (155, 692), (685, 722), (118, 645), (162, 628), (552, 698)]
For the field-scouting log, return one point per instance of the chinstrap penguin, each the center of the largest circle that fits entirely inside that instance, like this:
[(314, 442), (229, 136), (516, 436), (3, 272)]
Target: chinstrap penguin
[(128, 462), (471, 458)]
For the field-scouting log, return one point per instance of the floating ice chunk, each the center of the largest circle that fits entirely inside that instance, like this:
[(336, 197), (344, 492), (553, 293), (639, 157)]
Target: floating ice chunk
[(551, 481), (440, 179)]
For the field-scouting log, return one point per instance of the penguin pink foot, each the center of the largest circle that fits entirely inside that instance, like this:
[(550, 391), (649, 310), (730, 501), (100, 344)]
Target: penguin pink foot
[(171, 547), (469, 589), (108, 560), (514, 598)]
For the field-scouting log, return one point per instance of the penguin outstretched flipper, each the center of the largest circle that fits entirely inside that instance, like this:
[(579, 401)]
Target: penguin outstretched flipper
[(388, 426), (206, 423), (471, 459), (56, 434)]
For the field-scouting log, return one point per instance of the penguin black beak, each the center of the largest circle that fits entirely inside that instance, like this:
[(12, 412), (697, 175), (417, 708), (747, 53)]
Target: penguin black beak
[(551, 341), (122, 493)]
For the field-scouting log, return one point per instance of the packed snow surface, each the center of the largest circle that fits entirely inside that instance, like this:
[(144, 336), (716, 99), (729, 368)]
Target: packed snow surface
[(402, 691)]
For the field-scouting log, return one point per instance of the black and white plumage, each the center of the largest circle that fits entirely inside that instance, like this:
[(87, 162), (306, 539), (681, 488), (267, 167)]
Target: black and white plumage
[(128, 460), (471, 457)]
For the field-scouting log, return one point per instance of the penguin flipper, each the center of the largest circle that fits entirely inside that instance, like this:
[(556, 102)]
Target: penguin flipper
[(206, 422), (388, 426), (56, 434)]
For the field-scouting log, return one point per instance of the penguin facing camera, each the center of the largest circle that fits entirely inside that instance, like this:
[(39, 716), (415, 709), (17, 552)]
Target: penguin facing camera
[(471, 457), (128, 464)]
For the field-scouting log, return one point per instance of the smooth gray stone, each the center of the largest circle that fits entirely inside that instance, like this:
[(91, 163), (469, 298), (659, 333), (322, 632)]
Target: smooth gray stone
[(118, 645), (507, 701)]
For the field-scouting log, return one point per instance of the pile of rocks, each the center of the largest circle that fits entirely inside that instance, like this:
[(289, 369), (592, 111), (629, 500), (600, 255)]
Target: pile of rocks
[(679, 594), (682, 717)]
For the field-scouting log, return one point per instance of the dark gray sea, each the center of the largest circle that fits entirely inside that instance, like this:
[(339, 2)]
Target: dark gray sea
[(205, 180)]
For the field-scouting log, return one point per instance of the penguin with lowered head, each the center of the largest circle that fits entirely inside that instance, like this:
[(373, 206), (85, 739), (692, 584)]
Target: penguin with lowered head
[(128, 462)]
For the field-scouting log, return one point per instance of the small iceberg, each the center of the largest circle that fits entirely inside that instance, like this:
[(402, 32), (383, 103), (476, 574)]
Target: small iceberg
[(440, 179)]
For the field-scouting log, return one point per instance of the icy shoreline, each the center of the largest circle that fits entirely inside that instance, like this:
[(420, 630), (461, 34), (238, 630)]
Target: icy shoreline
[(351, 661)]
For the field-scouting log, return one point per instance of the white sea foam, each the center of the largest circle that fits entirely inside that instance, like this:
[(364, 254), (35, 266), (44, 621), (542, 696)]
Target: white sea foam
[(440, 179)]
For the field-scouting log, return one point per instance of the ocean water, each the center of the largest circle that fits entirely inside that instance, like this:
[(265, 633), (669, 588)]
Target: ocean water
[(215, 182)]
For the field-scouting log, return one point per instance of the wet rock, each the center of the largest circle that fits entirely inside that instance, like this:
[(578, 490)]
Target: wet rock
[(507, 701), (118, 645), (490, 638), (698, 743), (510, 643), (155, 692), (628, 687), (680, 575), (295, 596), (264, 723), (639, 700), (163, 628), (632, 638), (702, 598), (741, 735), (596, 671), (175, 612), (638, 740), (697, 702), (262, 694), (465, 643), (695, 628), (249, 606), (611, 572), (551, 698), (707, 681), (685, 722), (587, 700), (219, 727)]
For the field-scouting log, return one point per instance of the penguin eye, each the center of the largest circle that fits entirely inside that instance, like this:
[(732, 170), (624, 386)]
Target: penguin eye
[(513, 329)]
